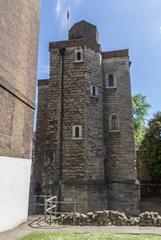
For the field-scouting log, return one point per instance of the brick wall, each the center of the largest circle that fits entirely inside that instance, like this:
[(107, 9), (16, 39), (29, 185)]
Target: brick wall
[(18, 61)]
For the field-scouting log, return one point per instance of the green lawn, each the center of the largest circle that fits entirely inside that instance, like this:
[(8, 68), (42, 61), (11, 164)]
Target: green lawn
[(96, 236)]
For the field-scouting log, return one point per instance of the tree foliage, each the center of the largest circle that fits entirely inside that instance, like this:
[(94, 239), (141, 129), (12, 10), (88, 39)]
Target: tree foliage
[(150, 148), (140, 111)]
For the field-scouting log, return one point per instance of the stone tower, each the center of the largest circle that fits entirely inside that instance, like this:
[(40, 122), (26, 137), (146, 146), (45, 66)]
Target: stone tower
[(89, 150), (120, 159)]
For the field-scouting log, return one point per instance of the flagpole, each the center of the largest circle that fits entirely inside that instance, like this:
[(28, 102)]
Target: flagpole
[(68, 19)]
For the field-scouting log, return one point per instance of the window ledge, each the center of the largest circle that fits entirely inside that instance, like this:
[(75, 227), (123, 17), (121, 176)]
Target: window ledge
[(78, 61), (114, 131), (114, 87), (94, 96), (74, 138)]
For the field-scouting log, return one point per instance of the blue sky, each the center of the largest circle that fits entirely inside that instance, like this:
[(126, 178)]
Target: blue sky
[(133, 24)]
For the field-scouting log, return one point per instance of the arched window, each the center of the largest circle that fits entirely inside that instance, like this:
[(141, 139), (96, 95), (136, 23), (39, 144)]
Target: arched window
[(94, 91), (114, 124), (78, 55), (77, 132), (111, 80)]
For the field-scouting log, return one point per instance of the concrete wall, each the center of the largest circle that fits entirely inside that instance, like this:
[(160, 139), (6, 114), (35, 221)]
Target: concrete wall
[(19, 24), (14, 187)]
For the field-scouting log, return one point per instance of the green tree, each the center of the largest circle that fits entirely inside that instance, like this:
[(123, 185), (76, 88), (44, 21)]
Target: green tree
[(140, 111), (150, 148)]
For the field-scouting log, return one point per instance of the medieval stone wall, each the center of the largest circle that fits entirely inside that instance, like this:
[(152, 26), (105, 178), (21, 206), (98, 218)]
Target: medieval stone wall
[(120, 151), (97, 169), (82, 159), (41, 131), (71, 93), (94, 131)]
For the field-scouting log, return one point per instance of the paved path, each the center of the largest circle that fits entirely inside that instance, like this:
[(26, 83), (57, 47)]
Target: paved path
[(39, 226)]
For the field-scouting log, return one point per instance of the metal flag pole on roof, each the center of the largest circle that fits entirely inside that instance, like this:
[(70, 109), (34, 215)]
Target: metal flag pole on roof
[(68, 18)]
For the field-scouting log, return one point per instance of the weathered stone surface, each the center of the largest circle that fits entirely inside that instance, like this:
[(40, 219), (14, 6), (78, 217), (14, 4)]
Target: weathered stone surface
[(149, 219), (124, 194), (84, 29), (98, 170), (107, 218), (41, 132)]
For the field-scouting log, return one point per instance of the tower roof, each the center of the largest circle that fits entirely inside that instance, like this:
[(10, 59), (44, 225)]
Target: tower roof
[(84, 29)]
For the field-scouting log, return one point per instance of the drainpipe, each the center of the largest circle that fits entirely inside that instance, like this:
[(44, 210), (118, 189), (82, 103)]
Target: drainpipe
[(61, 54)]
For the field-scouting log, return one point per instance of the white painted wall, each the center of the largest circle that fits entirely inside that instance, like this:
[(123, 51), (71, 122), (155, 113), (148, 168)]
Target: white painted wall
[(14, 191)]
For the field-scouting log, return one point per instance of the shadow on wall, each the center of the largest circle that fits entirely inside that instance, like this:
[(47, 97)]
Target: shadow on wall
[(150, 191)]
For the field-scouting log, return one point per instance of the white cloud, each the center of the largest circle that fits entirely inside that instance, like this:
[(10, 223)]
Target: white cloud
[(160, 29), (59, 7), (61, 12), (63, 20)]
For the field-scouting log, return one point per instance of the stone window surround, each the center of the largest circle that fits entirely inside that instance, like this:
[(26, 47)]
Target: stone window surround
[(110, 123), (74, 132), (91, 91), (79, 49), (107, 80)]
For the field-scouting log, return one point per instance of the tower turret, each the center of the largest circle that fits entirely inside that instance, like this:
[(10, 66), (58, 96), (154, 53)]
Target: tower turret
[(84, 29)]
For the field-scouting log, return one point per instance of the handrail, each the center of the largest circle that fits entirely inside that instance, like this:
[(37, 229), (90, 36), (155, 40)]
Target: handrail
[(51, 198), (66, 202), (51, 208), (50, 205), (48, 209)]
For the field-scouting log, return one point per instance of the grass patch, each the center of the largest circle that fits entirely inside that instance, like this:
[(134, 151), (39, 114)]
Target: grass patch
[(93, 236)]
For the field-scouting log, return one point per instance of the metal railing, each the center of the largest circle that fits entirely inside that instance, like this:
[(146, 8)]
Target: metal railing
[(51, 206)]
